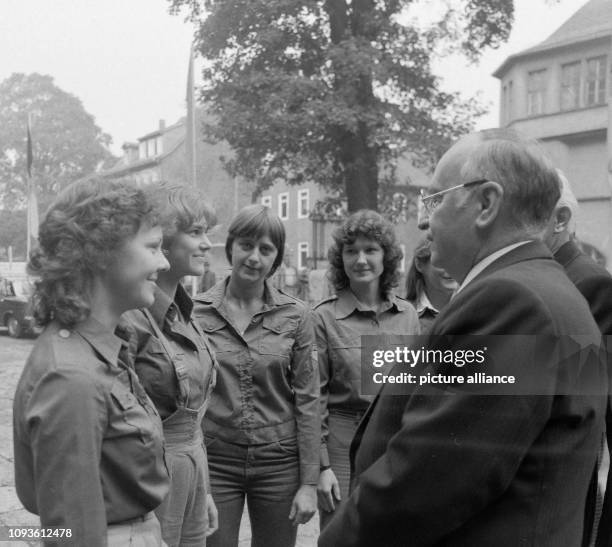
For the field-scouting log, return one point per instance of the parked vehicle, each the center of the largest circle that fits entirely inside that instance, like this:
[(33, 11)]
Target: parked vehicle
[(15, 307)]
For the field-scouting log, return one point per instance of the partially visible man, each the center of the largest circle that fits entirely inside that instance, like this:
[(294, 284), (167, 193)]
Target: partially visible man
[(208, 279), (595, 284), (462, 467)]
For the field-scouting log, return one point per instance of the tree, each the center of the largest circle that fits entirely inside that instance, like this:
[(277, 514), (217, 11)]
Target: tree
[(335, 91), (66, 142), (13, 233)]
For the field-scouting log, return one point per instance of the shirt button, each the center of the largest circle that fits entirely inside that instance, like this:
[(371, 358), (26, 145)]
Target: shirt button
[(63, 333)]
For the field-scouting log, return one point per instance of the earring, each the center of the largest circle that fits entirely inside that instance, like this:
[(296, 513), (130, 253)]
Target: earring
[(165, 251)]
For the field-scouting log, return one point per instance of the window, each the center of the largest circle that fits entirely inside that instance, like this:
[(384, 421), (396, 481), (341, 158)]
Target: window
[(506, 115), (151, 148), (570, 86), (266, 201), (283, 206), (303, 203), (302, 254), (402, 267), (536, 91), (595, 84), (142, 150)]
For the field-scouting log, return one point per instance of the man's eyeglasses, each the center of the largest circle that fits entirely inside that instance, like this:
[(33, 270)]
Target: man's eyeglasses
[(431, 201)]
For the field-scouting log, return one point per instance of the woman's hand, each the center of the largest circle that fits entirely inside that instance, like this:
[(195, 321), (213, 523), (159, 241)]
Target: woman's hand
[(328, 490), (213, 515), (304, 505)]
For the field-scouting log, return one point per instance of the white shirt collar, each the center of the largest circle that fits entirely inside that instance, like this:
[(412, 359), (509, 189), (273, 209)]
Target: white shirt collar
[(423, 303), (480, 266)]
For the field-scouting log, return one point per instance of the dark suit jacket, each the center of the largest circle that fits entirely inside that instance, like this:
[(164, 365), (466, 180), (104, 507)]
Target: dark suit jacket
[(595, 284), (466, 469)]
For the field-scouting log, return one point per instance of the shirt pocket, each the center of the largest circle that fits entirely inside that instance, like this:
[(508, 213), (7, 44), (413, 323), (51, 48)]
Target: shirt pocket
[(219, 336), (131, 417), (345, 356), (277, 336)]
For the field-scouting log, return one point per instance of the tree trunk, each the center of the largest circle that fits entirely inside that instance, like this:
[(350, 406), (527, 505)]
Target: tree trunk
[(358, 158)]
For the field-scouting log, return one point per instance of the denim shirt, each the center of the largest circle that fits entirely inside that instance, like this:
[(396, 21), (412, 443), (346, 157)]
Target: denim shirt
[(88, 441), (152, 363), (339, 323), (268, 382)]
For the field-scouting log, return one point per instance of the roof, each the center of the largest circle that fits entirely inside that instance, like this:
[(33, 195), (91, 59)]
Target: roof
[(591, 21)]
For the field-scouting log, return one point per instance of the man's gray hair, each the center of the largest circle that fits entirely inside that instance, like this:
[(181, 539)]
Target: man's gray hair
[(519, 164), (567, 199)]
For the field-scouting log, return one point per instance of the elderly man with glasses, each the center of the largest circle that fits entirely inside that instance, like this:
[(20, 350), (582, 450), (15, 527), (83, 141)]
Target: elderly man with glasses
[(464, 465)]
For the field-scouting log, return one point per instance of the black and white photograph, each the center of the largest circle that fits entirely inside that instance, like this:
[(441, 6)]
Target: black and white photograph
[(299, 273)]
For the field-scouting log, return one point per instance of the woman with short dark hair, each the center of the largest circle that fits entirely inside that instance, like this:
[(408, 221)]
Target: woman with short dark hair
[(177, 367), (88, 441), (364, 261), (262, 428)]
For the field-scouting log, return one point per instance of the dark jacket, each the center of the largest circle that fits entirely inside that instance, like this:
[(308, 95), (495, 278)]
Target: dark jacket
[(466, 469)]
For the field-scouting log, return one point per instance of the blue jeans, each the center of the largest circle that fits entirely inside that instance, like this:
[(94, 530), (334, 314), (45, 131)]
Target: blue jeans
[(267, 476)]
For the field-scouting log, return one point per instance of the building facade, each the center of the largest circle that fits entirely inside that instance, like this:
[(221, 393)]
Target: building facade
[(558, 92)]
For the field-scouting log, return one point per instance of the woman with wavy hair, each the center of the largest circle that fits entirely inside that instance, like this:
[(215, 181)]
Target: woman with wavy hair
[(364, 260), (177, 368), (88, 441), (428, 288)]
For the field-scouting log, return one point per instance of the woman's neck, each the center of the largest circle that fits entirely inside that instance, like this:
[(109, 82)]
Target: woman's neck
[(368, 294), (103, 308), (168, 283), (245, 293)]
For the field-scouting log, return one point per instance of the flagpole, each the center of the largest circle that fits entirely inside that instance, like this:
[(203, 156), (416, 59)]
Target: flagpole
[(191, 133), (29, 186), (32, 202)]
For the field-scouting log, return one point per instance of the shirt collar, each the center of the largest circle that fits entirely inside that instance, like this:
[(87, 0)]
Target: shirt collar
[(163, 302), (423, 303), (347, 303), (480, 266), (272, 296), (106, 343)]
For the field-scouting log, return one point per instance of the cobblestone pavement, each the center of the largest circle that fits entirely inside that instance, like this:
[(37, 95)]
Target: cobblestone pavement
[(13, 354)]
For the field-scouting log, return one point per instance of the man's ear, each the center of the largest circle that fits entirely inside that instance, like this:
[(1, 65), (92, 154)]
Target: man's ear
[(562, 217), (490, 197)]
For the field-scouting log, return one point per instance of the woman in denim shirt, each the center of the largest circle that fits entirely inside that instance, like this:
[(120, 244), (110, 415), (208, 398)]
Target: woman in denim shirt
[(363, 260), (88, 441), (177, 368), (262, 429)]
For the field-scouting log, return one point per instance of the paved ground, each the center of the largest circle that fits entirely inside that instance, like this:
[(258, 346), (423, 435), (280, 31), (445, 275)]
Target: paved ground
[(12, 357)]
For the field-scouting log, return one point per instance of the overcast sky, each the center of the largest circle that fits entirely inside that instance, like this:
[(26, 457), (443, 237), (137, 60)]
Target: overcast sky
[(127, 59)]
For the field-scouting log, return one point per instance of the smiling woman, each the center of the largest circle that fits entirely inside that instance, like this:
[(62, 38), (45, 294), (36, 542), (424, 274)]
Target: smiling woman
[(364, 260), (177, 368), (88, 441)]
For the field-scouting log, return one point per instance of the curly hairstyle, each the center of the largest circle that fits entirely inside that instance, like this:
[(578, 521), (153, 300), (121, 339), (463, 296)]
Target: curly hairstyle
[(257, 221), (180, 207), (81, 233), (415, 280), (370, 225)]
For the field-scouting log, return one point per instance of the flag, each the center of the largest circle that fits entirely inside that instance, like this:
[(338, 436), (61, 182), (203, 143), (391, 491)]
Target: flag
[(32, 211), (190, 125)]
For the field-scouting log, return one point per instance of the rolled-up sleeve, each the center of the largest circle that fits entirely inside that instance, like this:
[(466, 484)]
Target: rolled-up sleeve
[(305, 383), (65, 418)]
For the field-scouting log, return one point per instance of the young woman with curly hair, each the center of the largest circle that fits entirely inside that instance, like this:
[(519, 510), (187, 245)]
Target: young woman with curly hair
[(363, 266), (176, 367), (88, 441)]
